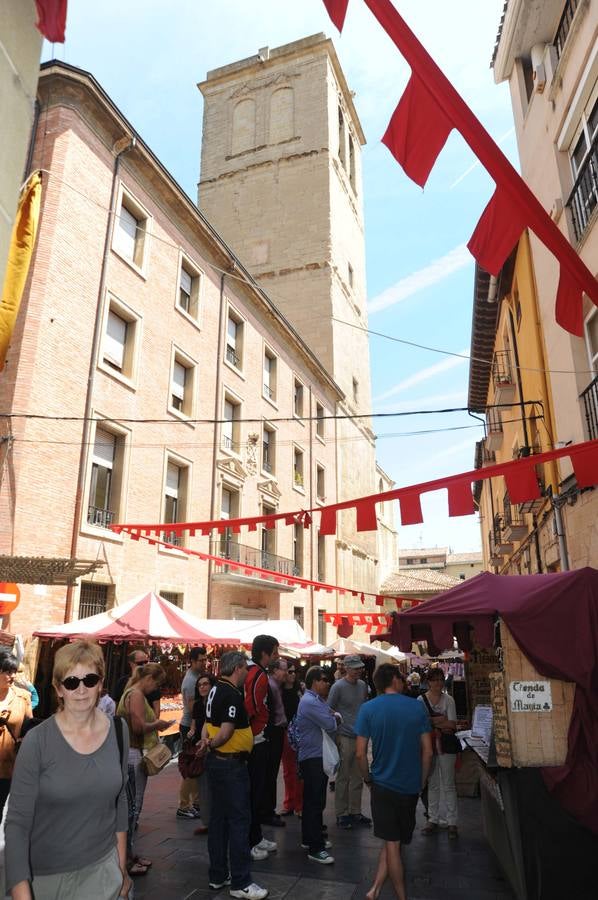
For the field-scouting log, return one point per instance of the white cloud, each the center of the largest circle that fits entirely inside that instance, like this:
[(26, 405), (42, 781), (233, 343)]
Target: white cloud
[(432, 274), (477, 163), (423, 375)]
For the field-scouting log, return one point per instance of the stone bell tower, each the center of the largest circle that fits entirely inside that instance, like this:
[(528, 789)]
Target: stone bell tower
[(281, 182)]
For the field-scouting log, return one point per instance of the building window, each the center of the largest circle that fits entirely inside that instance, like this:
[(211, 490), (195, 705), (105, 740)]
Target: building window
[(341, 137), (298, 479), (243, 126), (121, 334), (182, 385), (299, 615), (564, 27), (321, 627), (172, 597), (352, 164), (189, 289), (103, 488), (93, 599), (131, 231), (409, 561), (591, 332), (281, 115), (584, 165), (231, 425), (320, 421), (268, 541), (234, 341), (174, 500), (320, 483), (268, 449), (229, 509), (355, 390), (298, 398), (298, 530), (321, 557), (350, 274), (269, 375)]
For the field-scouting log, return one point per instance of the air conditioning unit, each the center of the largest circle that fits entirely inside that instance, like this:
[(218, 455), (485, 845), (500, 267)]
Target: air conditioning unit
[(539, 70)]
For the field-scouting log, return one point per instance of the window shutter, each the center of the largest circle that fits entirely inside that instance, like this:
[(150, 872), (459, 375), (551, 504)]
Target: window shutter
[(173, 474), (226, 504), (232, 333), (186, 281), (116, 340), (267, 370), (179, 375), (126, 235), (104, 448)]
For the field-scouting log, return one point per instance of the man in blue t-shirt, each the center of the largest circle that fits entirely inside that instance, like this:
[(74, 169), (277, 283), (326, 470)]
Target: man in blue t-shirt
[(402, 757)]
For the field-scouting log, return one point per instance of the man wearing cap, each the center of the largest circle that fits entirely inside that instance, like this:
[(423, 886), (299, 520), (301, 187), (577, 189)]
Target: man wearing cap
[(346, 697)]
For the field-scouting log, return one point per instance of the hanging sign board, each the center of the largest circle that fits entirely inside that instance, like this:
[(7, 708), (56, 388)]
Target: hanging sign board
[(530, 696)]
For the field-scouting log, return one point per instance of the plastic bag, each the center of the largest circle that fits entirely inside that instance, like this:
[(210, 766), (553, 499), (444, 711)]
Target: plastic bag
[(330, 756)]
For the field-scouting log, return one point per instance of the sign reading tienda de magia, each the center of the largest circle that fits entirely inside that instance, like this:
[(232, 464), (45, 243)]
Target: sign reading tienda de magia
[(530, 696)]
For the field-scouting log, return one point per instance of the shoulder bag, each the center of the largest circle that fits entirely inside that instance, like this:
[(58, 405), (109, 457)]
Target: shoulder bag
[(190, 763), (156, 758), (449, 743)]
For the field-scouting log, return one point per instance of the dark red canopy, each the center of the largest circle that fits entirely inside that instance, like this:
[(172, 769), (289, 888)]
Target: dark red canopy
[(554, 619)]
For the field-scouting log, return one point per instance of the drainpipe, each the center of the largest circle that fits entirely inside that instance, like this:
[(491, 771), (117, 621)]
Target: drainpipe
[(36, 114), (123, 146), (518, 375), (557, 502), (312, 530), (217, 430)]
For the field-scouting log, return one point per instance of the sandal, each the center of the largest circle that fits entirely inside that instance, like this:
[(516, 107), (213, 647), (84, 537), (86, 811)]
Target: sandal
[(137, 869), (142, 861)]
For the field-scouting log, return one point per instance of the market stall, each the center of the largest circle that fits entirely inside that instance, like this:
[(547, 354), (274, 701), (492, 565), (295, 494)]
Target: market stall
[(147, 619), (534, 640)]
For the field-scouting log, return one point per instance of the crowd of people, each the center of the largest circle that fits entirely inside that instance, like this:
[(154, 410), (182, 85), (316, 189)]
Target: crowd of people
[(77, 786)]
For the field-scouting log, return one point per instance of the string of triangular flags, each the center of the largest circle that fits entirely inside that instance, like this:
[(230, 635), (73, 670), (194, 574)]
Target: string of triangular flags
[(426, 114), (520, 476)]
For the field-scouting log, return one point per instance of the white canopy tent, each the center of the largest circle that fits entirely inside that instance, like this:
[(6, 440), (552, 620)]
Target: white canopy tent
[(345, 647)]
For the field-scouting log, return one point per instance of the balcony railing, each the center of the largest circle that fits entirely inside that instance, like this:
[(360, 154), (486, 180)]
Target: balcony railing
[(232, 357), (171, 537), (584, 196), (502, 371), (251, 556), (590, 405), (266, 464), (229, 444), (562, 32), (103, 518), (268, 392)]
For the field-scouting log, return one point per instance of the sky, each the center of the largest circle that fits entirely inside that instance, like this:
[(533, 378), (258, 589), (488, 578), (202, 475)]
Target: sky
[(149, 55)]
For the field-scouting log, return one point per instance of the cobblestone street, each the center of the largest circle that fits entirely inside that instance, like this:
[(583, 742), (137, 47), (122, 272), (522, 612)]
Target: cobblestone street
[(436, 869)]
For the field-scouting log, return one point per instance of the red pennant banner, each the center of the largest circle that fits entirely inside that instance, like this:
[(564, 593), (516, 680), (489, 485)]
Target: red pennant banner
[(417, 132), (500, 227), (522, 483), (569, 303), (337, 10), (328, 520), (366, 515), (411, 509), (460, 499), (376, 619), (51, 19), (585, 466)]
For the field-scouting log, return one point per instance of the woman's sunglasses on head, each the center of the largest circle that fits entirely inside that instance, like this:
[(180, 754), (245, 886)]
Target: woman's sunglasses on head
[(72, 682)]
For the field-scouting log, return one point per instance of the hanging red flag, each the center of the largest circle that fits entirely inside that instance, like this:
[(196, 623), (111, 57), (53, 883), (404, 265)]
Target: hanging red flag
[(51, 19), (337, 10), (501, 225)]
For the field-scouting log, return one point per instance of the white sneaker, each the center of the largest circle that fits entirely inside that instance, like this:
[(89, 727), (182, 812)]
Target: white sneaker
[(268, 846), (256, 854), (251, 892)]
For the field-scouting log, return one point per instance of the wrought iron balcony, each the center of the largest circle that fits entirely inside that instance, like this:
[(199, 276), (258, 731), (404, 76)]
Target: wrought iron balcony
[(103, 518), (268, 392), (266, 464), (232, 357), (495, 558), (494, 437), (562, 32), (584, 196), (229, 444), (251, 556), (514, 526), (171, 537), (590, 405), (503, 377)]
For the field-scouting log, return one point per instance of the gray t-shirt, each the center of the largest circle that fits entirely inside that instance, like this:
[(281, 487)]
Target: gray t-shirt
[(188, 695), (347, 699), (65, 807)]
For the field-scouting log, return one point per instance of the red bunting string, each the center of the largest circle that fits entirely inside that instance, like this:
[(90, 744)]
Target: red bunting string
[(429, 108), (519, 474), (357, 618)]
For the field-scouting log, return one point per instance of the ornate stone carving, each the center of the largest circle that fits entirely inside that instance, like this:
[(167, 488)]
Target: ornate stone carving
[(251, 453)]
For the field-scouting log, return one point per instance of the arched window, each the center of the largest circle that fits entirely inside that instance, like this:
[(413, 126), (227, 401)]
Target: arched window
[(282, 115), (243, 137)]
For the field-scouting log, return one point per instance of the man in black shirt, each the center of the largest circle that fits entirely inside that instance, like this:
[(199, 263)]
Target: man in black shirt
[(228, 738)]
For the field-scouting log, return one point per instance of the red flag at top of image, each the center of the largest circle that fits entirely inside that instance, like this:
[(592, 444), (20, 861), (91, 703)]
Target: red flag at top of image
[(51, 19)]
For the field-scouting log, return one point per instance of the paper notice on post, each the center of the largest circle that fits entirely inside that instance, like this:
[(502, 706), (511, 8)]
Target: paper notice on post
[(481, 726)]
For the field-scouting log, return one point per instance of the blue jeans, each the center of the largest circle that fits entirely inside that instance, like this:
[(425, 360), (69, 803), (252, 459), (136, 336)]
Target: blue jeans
[(230, 817)]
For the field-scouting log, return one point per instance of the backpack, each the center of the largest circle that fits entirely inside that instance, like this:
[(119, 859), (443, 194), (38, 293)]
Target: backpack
[(292, 736)]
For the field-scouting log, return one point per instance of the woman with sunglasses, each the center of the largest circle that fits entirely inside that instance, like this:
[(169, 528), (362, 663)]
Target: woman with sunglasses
[(143, 725), (15, 707), (293, 786), (203, 686), (66, 826)]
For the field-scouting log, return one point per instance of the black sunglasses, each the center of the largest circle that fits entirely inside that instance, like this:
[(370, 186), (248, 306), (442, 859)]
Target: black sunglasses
[(72, 682), (291, 671)]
